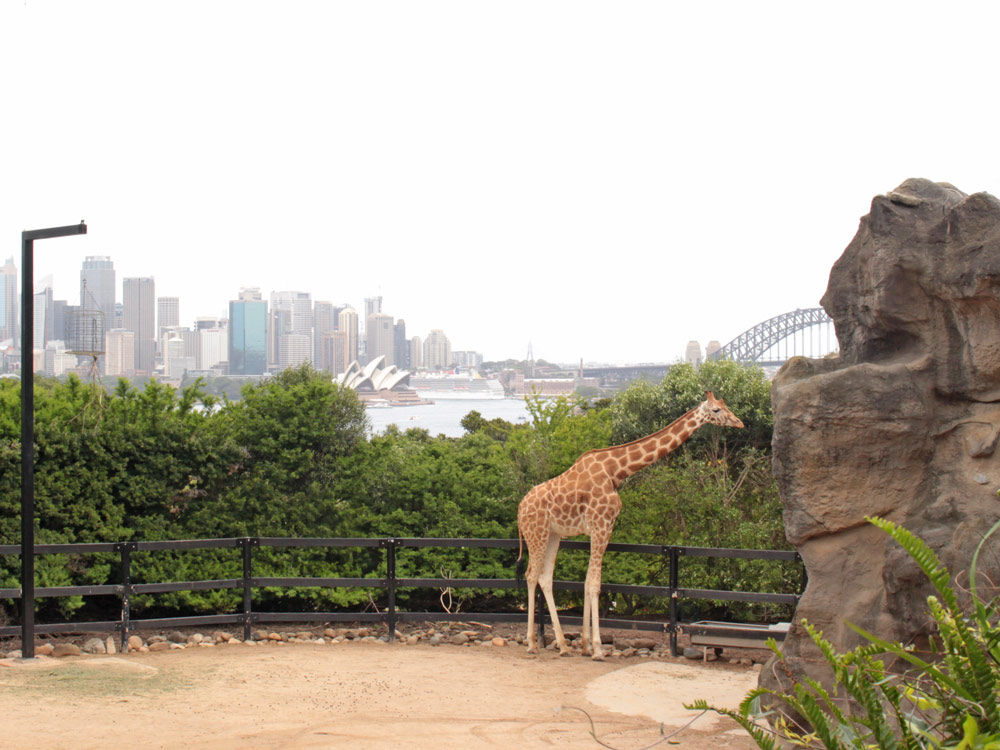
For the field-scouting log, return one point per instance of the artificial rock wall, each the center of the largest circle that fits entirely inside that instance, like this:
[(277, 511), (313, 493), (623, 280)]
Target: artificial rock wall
[(904, 423)]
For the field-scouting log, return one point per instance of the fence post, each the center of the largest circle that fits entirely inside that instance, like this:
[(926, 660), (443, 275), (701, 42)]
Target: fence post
[(674, 553), (390, 575), (246, 544), (126, 568)]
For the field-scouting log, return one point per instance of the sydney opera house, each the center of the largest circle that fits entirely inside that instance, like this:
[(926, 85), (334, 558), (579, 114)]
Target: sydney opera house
[(378, 385)]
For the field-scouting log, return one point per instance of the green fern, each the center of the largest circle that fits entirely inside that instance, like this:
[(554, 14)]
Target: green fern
[(949, 703)]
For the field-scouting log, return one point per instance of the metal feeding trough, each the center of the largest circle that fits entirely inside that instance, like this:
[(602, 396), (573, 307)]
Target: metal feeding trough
[(708, 634)]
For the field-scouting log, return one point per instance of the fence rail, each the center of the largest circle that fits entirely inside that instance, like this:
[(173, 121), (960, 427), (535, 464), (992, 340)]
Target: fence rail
[(391, 615)]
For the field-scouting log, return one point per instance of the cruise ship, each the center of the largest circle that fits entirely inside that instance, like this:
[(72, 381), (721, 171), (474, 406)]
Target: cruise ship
[(470, 386)]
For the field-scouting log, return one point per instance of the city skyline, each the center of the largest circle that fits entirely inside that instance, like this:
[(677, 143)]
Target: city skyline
[(604, 182)]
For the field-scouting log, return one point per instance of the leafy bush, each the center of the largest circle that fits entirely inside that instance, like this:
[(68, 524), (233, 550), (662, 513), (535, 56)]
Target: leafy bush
[(951, 701)]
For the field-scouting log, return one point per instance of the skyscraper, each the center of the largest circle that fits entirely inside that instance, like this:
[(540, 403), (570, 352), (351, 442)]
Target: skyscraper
[(347, 322), (139, 316), (380, 337), (437, 350), (8, 301), (97, 287), (168, 314), (324, 322), (401, 346), (248, 334), (291, 315)]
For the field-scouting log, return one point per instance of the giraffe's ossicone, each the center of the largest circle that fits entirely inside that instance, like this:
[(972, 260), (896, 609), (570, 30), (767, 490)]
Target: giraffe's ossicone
[(584, 500)]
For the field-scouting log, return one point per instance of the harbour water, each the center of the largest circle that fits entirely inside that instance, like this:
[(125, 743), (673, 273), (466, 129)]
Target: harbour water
[(445, 416)]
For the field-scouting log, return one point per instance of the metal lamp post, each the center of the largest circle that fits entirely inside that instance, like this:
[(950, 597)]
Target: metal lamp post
[(28, 427)]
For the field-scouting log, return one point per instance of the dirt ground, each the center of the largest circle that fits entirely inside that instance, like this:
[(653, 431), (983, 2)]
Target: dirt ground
[(363, 695)]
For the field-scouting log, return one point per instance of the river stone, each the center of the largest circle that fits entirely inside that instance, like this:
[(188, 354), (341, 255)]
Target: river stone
[(177, 637), (134, 643), (903, 423)]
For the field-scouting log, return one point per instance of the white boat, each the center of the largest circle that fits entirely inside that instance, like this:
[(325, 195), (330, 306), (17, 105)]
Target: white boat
[(456, 387)]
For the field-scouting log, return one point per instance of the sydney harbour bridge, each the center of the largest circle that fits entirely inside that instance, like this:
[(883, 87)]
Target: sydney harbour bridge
[(803, 332)]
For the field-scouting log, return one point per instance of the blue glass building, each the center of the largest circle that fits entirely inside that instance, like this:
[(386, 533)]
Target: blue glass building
[(247, 337)]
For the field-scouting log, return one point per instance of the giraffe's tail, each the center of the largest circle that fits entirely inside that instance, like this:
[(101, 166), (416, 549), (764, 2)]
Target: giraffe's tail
[(522, 564)]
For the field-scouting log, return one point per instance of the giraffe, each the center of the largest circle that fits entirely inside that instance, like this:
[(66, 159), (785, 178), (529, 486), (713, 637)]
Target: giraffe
[(583, 500)]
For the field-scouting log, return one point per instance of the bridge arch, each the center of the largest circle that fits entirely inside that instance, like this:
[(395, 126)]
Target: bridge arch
[(762, 344)]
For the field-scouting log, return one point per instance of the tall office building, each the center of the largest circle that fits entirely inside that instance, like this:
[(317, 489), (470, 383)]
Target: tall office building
[(437, 350), (692, 354), (380, 338), (335, 352), (373, 305), (323, 323), (248, 333), (291, 315), (401, 345), (416, 353), (168, 315), (212, 347), (97, 287), (9, 305), (43, 314), (139, 316), (347, 323), (119, 357)]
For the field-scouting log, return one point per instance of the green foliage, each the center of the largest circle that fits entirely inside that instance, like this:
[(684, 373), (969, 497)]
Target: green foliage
[(292, 457), (949, 701), (643, 408)]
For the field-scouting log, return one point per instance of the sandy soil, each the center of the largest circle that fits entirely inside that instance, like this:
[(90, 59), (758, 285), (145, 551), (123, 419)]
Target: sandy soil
[(361, 695)]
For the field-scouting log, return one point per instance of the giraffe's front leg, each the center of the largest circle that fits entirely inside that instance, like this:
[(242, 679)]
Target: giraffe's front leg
[(592, 591), (585, 633)]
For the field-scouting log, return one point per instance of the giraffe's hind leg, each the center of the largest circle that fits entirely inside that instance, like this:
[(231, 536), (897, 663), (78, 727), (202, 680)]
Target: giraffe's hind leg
[(545, 581)]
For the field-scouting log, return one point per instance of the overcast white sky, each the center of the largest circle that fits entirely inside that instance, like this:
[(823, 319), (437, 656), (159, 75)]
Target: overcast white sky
[(603, 180)]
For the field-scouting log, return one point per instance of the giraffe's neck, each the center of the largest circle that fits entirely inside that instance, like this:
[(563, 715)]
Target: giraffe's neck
[(631, 457)]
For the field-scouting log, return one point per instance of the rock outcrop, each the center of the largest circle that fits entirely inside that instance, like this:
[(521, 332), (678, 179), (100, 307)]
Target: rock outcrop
[(904, 423)]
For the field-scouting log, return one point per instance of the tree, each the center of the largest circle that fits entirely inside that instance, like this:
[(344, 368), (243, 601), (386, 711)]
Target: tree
[(643, 408)]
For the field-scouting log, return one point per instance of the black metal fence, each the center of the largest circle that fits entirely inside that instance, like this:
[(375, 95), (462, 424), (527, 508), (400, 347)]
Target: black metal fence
[(125, 589)]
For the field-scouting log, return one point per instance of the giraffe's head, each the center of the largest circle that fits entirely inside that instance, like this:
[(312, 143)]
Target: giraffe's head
[(714, 411)]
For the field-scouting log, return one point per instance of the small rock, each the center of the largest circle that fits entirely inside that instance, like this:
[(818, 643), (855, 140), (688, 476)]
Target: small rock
[(330, 633), (222, 636), (195, 638), (176, 646), (746, 662), (109, 645), (260, 635), (498, 641), (305, 635), (153, 639), (692, 653), (412, 640), (275, 637), (629, 652), (14, 654), (134, 643), (44, 650), (160, 646), (644, 643), (435, 640), (94, 646), (459, 639), (177, 637), (250, 643), (143, 649), (65, 649)]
